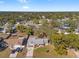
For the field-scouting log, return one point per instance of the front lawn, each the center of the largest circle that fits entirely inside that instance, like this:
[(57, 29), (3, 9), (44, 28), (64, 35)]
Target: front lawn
[(5, 53), (48, 52), (22, 54)]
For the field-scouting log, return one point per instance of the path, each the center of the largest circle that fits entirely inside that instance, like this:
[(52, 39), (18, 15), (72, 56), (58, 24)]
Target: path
[(30, 48)]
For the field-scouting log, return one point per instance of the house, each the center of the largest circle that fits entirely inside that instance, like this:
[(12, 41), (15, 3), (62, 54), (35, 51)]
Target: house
[(65, 26), (29, 23), (43, 17), (41, 41), (14, 29), (1, 29), (49, 20), (66, 33), (3, 44), (76, 31), (6, 27), (37, 41)]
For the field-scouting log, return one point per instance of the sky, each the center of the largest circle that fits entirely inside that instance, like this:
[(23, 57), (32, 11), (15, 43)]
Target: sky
[(39, 5)]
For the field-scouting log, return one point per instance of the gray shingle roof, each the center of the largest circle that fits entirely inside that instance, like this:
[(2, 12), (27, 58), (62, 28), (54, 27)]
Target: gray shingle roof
[(37, 41)]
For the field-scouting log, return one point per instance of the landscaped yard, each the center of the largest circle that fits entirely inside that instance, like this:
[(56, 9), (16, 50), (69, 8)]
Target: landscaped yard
[(47, 52)]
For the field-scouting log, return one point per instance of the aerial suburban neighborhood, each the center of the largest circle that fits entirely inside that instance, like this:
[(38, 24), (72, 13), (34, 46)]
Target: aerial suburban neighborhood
[(39, 34)]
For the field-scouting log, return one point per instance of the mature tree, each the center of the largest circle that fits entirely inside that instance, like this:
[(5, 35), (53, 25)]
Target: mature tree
[(71, 40), (62, 42), (21, 28), (59, 43), (72, 24)]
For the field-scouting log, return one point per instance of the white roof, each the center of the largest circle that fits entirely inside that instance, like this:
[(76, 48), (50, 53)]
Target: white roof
[(16, 46), (66, 33)]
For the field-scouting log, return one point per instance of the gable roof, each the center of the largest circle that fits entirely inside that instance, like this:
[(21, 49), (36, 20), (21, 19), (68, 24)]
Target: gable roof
[(37, 41)]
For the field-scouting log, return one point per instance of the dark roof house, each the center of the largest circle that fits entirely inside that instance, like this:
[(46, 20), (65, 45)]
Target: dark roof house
[(3, 44), (1, 29)]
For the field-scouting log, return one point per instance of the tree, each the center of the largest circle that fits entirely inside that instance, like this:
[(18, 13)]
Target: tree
[(62, 42), (59, 43), (21, 28), (25, 29), (55, 23), (72, 24), (71, 41), (12, 22), (36, 21)]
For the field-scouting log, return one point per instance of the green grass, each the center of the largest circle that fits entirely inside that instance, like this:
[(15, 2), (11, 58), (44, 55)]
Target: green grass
[(42, 53), (6, 53), (41, 49)]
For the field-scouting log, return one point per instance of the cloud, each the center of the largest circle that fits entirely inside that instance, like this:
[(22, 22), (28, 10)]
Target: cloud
[(23, 1), (1, 2), (25, 7)]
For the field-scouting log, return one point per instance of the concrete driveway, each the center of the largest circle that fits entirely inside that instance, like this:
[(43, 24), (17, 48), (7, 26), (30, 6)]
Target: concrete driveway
[(30, 50)]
